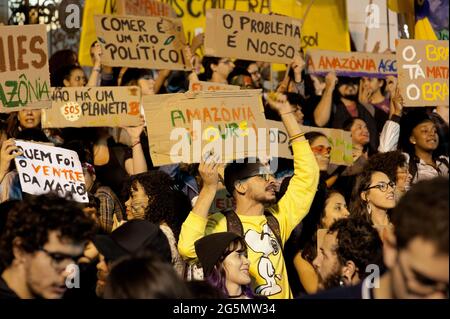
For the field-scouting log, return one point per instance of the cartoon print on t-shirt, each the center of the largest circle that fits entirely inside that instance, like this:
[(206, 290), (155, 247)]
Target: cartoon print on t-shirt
[(266, 244)]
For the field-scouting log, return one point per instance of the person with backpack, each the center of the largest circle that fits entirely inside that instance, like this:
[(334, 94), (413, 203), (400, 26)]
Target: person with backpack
[(264, 223)]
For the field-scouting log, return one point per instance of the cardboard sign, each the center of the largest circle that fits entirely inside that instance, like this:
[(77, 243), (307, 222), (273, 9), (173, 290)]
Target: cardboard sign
[(211, 86), (222, 201), (251, 36), (353, 64), (43, 169), (142, 42), (340, 141), (147, 8), (93, 107), (330, 34), (185, 127), (24, 75), (423, 72)]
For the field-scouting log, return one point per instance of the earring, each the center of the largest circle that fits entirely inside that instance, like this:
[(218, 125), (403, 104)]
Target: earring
[(369, 208), (341, 281)]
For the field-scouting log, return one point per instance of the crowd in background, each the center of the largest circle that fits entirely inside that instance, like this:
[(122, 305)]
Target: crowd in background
[(310, 229)]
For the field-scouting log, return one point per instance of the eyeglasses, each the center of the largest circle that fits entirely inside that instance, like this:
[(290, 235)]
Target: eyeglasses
[(266, 176), (382, 186), (226, 61), (58, 259), (320, 149)]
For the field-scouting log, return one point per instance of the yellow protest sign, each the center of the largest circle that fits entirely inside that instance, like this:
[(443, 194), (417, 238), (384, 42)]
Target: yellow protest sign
[(87, 37)]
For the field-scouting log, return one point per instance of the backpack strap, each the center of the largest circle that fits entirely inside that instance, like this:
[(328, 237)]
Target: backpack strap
[(234, 224), (274, 226)]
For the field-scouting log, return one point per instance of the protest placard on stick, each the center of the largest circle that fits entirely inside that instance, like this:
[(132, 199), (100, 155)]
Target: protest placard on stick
[(340, 141), (24, 73), (423, 72), (93, 107), (252, 36), (185, 127), (142, 42), (354, 64), (147, 8), (43, 169)]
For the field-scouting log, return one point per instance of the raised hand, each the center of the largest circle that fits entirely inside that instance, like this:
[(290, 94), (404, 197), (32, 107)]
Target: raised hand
[(8, 152)]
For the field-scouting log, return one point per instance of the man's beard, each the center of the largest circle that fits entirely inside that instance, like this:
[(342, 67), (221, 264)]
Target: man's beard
[(332, 281), (351, 97)]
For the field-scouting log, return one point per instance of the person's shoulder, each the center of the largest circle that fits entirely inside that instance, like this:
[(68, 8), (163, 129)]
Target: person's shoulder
[(6, 292), (353, 292)]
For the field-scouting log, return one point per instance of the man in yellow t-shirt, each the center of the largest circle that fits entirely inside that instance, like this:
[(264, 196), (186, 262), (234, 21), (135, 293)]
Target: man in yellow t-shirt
[(253, 187)]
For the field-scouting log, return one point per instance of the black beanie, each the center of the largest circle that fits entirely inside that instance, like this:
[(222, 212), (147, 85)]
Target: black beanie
[(210, 248)]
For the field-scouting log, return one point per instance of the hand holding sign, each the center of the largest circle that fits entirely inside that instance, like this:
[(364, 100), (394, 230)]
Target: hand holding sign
[(331, 80), (279, 103), (97, 55), (208, 170), (8, 152), (396, 103)]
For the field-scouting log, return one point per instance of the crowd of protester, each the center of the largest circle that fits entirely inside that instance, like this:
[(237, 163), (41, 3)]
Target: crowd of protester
[(375, 229)]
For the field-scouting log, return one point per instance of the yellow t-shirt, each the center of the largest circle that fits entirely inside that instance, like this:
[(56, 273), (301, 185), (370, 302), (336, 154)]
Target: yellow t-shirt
[(267, 267)]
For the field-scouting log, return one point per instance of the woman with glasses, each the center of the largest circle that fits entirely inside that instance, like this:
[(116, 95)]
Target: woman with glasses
[(217, 70), (373, 196)]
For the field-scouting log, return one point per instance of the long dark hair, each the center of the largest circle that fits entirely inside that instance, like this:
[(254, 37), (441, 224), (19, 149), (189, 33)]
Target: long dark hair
[(166, 204), (217, 278)]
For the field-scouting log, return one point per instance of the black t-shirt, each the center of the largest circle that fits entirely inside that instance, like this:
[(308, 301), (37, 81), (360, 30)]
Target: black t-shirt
[(359, 291), (6, 292)]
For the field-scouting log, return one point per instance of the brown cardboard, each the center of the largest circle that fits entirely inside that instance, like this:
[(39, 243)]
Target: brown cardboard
[(211, 86), (93, 107), (251, 36), (24, 73), (423, 72), (142, 42), (353, 64), (148, 8), (180, 120), (340, 141)]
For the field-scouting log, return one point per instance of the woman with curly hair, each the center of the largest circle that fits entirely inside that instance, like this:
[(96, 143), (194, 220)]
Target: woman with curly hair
[(154, 198)]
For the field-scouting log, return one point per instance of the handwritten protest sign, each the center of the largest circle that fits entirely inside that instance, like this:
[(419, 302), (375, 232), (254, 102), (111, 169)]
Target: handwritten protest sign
[(251, 36), (148, 8), (142, 42), (43, 169), (93, 107), (354, 64), (340, 141), (184, 127), (24, 75), (211, 86), (423, 72)]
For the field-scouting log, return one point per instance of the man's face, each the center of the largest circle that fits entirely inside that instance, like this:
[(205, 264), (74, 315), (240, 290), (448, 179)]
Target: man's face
[(420, 272), (349, 91), (262, 188), (327, 264), (45, 270), (253, 69)]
